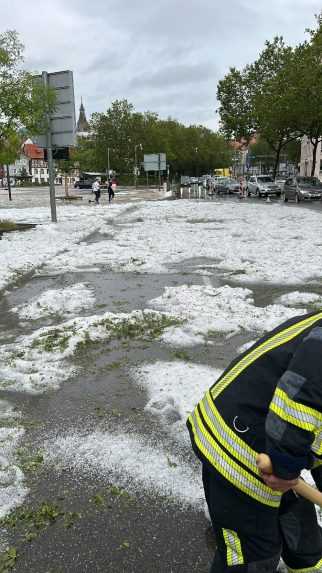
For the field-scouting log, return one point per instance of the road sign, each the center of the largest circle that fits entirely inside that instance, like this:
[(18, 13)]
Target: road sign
[(155, 162), (63, 119)]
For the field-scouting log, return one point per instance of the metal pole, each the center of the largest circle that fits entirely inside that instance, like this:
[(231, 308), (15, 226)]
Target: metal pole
[(51, 170), (159, 172), (135, 181), (9, 183), (108, 162)]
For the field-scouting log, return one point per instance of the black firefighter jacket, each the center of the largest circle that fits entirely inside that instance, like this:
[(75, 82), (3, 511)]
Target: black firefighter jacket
[(268, 400)]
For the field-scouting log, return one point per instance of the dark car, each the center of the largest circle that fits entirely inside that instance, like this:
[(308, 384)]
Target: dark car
[(226, 185), (302, 189), (233, 186), (84, 184)]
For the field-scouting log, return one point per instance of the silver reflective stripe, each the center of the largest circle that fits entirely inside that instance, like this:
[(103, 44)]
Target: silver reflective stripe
[(234, 550), (317, 444), (291, 383), (224, 465), (224, 436), (293, 412), (275, 427)]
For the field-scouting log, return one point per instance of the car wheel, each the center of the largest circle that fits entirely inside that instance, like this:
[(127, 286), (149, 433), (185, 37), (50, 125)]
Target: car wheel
[(257, 193)]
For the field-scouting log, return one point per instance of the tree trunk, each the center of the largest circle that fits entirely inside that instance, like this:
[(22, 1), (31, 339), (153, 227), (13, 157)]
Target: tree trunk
[(315, 143), (9, 183), (277, 159)]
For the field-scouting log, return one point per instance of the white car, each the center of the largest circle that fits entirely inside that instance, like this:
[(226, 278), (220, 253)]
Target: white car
[(262, 186)]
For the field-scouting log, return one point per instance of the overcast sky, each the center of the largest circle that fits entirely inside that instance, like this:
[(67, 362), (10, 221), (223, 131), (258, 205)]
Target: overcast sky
[(164, 55)]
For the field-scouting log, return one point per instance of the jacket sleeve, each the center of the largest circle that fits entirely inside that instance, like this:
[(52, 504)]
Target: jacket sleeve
[(294, 421)]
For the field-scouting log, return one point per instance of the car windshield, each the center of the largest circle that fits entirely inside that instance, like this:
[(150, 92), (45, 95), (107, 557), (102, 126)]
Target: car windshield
[(309, 182), (265, 179)]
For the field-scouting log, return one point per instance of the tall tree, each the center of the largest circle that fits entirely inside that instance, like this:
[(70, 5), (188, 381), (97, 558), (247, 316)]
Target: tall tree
[(23, 101), (264, 103), (9, 151), (305, 79)]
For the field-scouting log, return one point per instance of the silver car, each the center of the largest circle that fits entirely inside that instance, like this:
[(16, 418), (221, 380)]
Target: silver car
[(262, 186), (227, 186)]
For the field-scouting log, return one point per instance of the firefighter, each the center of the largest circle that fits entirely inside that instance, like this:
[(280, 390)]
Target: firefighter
[(268, 400)]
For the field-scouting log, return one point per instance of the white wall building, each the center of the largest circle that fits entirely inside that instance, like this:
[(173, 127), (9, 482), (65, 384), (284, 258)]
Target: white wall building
[(307, 159)]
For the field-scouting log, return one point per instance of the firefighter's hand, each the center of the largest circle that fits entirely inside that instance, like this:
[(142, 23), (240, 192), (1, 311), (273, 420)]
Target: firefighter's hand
[(278, 484)]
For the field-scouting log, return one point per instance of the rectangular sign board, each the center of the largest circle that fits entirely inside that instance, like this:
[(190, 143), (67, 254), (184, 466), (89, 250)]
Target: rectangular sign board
[(63, 119), (155, 162)]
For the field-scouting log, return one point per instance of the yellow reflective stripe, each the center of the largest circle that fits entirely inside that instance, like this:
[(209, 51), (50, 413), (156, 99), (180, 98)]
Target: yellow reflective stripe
[(314, 569), (295, 413), (225, 435), (277, 340), (234, 550), (228, 468)]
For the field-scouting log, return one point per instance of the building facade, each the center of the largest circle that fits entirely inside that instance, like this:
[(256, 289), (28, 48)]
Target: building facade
[(307, 159)]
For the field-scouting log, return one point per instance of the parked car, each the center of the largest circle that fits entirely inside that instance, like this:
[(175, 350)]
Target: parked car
[(280, 181), (83, 184), (262, 186), (227, 185), (302, 189)]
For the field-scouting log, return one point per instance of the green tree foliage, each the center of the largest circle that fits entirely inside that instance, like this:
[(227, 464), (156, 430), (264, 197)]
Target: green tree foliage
[(305, 78), (24, 102), (123, 133), (257, 99)]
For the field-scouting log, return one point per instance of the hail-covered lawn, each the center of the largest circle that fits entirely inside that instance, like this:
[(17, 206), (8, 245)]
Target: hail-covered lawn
[(245, 247)]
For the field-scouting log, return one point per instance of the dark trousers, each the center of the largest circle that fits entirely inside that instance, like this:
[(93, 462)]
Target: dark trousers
[(97, 196), (251, 536), (110, 196)]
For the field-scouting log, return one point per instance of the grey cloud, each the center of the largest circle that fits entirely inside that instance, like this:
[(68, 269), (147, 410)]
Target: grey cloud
[(165, 56), (181, 74)]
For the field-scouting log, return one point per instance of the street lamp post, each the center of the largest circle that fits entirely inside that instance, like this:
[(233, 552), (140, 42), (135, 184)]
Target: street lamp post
[(197, 166), (135, 162)]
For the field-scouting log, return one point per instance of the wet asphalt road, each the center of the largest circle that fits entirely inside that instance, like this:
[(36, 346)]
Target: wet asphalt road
[(112, 532)]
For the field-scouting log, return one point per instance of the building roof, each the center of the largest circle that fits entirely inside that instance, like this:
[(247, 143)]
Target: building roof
[(32, 151)]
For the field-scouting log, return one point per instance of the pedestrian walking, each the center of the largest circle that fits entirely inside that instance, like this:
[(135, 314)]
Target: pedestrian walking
[(96, 189), (242, 188), (110, 191), (268, 400)]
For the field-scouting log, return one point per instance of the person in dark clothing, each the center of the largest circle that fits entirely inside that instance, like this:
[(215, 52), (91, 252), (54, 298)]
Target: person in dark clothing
[(110, 191), (269, 400)]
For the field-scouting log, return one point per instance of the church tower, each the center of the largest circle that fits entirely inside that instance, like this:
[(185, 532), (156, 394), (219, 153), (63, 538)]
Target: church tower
[(82, 124)]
